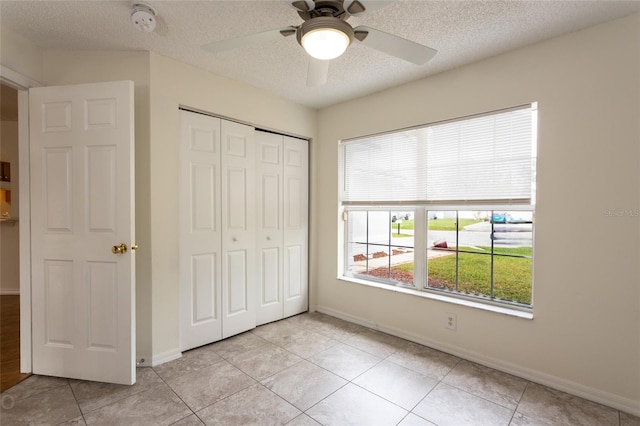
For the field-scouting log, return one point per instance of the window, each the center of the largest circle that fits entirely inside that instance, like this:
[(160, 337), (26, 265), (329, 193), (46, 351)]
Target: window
[(380, 245), (482, 254), (447, 207)]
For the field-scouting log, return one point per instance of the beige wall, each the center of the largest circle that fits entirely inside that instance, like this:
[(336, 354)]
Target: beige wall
[(172, 84), (585, 335), (10, 232), (75, 67), (20, 54)]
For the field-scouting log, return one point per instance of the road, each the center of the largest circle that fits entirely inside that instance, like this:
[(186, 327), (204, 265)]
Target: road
[(505, 235)]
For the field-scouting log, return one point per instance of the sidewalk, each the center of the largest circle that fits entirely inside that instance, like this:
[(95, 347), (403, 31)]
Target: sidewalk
[(399, 259)]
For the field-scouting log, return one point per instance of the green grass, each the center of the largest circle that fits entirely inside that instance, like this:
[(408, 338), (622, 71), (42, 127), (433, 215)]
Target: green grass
[(512, 276), (519, 251), (406, 224), (516, 251), (436, 224), (449, 224), (407, 267)]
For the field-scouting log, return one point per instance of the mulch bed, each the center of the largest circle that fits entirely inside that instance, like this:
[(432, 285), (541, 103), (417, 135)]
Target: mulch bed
[(361, 257), (402, 276)]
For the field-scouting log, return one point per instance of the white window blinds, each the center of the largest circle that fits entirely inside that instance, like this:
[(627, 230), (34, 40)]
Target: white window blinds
[(487, 159)]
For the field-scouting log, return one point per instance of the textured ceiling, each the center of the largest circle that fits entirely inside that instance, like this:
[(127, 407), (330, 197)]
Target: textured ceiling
[(461, 31)]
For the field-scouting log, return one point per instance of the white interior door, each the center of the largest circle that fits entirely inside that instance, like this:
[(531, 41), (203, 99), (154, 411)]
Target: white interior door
[(82, 181), (238, 228), (200, 235), (269, 241), (296, 225)]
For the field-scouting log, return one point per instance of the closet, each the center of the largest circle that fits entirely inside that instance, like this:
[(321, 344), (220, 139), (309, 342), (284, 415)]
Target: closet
[(283, 213), (243, 208)]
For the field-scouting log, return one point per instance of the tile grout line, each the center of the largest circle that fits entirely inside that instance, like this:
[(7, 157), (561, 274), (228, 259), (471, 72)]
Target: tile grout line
[(178, 396), (219, 399), (519, 401), (77, 402)]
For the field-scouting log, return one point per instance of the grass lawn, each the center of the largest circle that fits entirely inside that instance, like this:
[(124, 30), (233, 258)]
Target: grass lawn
[(512, 275), (449, 224), (436, 224), (406, 224)]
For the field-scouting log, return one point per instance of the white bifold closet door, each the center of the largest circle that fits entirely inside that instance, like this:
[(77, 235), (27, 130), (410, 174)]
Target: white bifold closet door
[(282, 240), (200, 231), (238, 228), (217, 229)]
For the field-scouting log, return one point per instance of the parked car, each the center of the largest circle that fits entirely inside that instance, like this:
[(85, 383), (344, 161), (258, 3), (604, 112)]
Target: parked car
[(520, 217), (512, 217), (499, 217)]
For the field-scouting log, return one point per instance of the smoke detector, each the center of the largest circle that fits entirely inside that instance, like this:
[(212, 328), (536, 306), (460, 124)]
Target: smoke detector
[(143, 17)]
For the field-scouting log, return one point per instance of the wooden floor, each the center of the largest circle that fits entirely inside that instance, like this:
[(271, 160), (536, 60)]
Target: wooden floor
[(10, 342)]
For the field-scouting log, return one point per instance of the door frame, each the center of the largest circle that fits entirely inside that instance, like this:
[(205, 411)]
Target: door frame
[(22, 84)]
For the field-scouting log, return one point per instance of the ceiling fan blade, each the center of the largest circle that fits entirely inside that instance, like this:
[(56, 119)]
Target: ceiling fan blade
[(263, 37), (361, 7), (302, 5), (394, 45), (317, 73)]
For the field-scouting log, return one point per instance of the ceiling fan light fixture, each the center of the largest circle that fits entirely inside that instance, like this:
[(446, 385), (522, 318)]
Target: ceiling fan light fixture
[(325, 37), (325, 43)]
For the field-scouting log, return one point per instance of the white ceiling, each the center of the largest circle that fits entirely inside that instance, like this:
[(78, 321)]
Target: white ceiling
[(461, 31)]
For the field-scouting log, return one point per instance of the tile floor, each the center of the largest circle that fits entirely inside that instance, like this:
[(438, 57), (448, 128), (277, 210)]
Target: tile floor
[(307, 370)]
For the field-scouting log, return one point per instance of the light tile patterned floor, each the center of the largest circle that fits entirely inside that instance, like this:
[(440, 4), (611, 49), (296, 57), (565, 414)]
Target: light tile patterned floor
[(310, 369)]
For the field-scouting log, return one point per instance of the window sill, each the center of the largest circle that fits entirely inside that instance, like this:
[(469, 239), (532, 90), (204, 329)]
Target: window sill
[(444, 298)]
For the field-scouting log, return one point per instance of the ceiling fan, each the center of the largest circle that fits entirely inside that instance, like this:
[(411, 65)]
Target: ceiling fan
[(325, 34)]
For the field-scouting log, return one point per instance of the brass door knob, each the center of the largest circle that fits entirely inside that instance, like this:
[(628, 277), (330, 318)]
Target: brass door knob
[(119, 249), (134, 247)]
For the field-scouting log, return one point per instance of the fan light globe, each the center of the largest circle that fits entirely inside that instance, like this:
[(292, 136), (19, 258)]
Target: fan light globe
[(325, 43)]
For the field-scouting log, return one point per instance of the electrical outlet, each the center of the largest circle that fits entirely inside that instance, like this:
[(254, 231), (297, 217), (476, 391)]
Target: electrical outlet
[(451, 321)]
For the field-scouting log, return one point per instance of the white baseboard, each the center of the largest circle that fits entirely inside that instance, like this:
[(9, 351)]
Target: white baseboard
[(611, 400), (155, 360), (10, 292)]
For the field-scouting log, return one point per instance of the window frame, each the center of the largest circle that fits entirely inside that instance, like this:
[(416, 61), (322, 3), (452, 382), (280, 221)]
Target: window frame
[(421, 261), (421, 211)]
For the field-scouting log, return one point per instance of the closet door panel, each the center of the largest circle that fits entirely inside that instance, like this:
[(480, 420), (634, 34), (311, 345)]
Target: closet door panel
[(270, 231), (294, 264), (200, 235), (296, 225), (238, 228), (235, 280)]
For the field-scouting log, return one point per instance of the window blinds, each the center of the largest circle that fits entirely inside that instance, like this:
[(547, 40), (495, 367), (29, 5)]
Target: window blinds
[(487, 159)]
